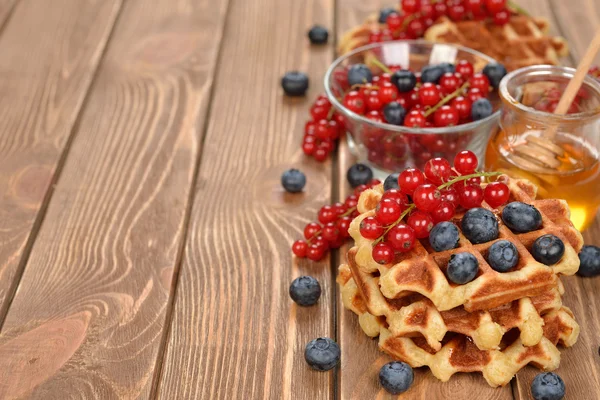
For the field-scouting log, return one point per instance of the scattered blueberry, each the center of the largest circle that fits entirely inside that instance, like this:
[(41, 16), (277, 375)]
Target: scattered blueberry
[(391, 182), (462, 268), (293, 180), (503, 256), (294, 83), (521, 217), (548, 249), (384, 13), (548, 386), (318, 34), (448, 67), (494, 72), (396, 377), (444, 236), (359, 74), (322, 354), (479, 225), (305, 290), (432, 73), (589, 258), (404, 80), (359, 174), (481, 109), (394, 113)]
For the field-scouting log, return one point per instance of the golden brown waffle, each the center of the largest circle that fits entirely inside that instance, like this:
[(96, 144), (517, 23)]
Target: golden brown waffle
[(422, 270), (458, 352), (521, 42)]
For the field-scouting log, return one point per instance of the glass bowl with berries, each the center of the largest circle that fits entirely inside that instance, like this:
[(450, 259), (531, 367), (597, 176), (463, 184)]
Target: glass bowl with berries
[(405, 102)]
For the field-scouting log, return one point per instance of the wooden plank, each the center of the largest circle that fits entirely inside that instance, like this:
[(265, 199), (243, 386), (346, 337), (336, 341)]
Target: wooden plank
[(235, 332), (6, 7), (48, 56), (579, 364), (88, 320)]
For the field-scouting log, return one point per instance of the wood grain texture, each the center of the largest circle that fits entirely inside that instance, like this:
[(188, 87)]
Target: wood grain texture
[(235, 332), (89, 316), (48, 56), (6, 7), (580, 365)]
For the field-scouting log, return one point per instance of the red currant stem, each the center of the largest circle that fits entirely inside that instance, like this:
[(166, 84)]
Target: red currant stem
[(520, 10), (465, 177), (404, 214), (330, 113), (360, 85), (381, 65), (446, 99), (350, 211), (314, 236)]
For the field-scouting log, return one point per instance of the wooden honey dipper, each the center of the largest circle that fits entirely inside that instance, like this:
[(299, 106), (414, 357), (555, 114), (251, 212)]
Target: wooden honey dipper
[(540, 154)]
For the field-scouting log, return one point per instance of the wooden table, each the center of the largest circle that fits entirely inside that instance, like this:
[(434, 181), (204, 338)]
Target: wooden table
[(144, 235)]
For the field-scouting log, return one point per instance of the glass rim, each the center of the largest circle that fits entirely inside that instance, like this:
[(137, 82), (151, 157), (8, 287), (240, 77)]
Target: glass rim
[(547, 70), (397, 128)]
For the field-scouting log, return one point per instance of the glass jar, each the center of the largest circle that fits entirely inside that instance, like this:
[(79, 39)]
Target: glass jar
[(559, 153)]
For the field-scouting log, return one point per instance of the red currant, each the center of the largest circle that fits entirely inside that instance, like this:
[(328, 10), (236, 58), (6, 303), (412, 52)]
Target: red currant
[(427, 197), (309, 127), (373, 182), (481, 82), (502, 17), (470, 196), (322, 129), (397, 196), (493, 6), (373, 101), (421, 223), (411, 6), (449, 82), (465, 162), (315, 253), (438, 170), (475, 6), (327, 145), (343, 224), (383, 253), (415, 119), (359, 189), (475, 94), (375, 36), (311, 230), (409, 180), (320, 242), (457, 12), (429, 94), (320, 109), (331, 232), (309, 148), (445, 116), (339, 208), (375, 116), (465, 69), (370, 228), (443, 212), (299, 248), (496, 194), (320, 154), (463, 106), (440, 8), (354, 102), (351, 201), (394, 21), (415, 28), (427, 11), (387, 92), (450, 195), (388, 211), (401, 237)]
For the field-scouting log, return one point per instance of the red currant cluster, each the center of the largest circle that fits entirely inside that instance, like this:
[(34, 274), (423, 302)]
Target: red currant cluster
[(436, 194), (332, 229), (416, 16), (322, 131)]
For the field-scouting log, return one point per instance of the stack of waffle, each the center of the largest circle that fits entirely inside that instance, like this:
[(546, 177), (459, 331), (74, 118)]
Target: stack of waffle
[(495, 324), (522, 42)]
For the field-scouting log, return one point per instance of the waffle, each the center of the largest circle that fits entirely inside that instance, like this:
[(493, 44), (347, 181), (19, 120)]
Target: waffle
[(422, 270), (459, 353), (521, 42)]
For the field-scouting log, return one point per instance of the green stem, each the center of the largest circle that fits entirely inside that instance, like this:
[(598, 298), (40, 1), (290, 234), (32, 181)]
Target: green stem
[(465, 177), (350, 211), (381, 65), (446, 99), (517, 8), (404, 214)]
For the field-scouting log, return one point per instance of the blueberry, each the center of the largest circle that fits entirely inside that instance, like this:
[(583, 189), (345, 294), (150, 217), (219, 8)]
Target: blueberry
[(294, 83), (479, 225), (548, 249), (589, 258), (394, 113), (444, 236), (432, 73), (359, 174), (448, 67), (548, 386), (396, 377), (359, 74), (481, 109), (384, 13), (494, 72), (521, 217), (293, 180), (462, 268), (391, 182), (404, 80), (322, 354), (318, 34), (503, 256), (305, 290)]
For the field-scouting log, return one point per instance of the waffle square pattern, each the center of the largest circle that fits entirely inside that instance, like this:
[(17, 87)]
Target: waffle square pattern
[(495, 324)]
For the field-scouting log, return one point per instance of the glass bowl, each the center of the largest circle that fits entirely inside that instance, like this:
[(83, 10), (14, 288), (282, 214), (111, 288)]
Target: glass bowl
[(390, 148)]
